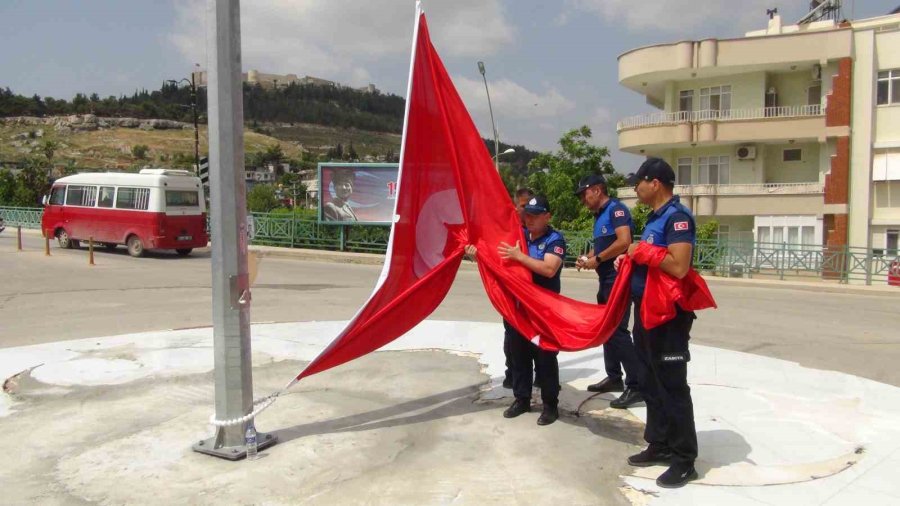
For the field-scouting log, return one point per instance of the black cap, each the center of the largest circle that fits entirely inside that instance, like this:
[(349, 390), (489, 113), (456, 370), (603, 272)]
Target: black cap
[(537, 205), (588, 181), (652, 168)]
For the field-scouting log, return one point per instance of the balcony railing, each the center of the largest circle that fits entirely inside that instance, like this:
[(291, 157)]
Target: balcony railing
[(741, 189), (674, 118)]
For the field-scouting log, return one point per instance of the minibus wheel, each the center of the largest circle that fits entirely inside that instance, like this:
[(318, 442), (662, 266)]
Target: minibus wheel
[(65, 242), (183, 252), (135, 246)]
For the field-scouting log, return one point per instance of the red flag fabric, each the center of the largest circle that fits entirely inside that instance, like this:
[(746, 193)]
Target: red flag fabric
[(450, 195), (662, 291)]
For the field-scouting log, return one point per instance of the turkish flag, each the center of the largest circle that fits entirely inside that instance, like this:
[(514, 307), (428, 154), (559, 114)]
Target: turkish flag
[(450, 195)]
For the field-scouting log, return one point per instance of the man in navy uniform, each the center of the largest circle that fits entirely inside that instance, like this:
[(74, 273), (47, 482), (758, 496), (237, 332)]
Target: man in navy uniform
[(546, 251), (613, 230), (523, 195), (670, 429)]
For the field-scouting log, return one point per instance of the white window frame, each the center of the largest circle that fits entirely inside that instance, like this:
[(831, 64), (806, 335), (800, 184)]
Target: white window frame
[(892, 78), (895, 251), (891, 195), (678, 166), (685, 94), (723, 109), (720, 162)]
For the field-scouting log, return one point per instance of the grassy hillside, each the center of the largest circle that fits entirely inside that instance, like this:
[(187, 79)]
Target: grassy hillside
[(318, 139), (111, 148)]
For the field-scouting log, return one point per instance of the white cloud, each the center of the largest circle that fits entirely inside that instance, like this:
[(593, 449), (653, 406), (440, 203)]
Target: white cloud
[(677, 16), (511, 100), (341, 40)]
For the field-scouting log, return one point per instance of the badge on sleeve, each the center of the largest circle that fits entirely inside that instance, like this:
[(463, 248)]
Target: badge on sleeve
[(619, 214), (681, 225), (558, 250)]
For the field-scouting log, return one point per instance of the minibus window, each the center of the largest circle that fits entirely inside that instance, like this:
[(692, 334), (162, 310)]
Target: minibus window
[(85, 196), (182, 198), (133, 198), (58, 196), (107, 196)]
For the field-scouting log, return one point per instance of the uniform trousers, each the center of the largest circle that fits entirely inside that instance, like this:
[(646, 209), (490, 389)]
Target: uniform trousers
[(664, 353)]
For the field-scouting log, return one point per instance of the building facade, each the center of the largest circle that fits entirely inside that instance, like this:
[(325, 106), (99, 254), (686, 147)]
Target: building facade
[(786, 135)]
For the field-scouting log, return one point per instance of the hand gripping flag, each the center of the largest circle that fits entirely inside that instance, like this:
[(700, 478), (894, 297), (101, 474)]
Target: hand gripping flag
[(450, 195)]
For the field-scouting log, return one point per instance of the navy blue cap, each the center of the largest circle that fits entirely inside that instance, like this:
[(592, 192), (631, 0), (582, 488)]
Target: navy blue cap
[(652, 168), (588, 181), (537, 205)]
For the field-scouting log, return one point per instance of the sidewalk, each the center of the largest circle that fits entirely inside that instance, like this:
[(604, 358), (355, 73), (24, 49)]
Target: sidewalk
[(111, 420)]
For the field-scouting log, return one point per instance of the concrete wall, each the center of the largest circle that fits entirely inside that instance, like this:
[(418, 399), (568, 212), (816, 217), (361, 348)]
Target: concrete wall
[(804, 171), (792, 87), (747, 90), (863, 90)]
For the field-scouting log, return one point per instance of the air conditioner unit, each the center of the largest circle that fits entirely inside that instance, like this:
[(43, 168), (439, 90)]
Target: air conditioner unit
[(746, 153), (817, 72)]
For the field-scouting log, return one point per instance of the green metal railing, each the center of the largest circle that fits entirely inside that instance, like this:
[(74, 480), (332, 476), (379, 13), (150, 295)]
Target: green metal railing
[(25, 217), (735, 258)]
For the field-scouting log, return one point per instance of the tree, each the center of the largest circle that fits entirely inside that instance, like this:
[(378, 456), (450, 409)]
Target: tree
[(352, 154), (31, 183), (262, 199), (7, 188), (49, 149), (139, 151), (556, 174), (639, 215)]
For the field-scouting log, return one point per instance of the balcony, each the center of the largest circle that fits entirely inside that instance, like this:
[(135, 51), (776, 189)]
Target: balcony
[(646, 69), (746, 199), (671, 129)]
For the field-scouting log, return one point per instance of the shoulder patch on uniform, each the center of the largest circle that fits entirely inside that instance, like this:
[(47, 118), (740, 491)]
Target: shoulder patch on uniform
[(619, 214), (681, 225), (558, 250)]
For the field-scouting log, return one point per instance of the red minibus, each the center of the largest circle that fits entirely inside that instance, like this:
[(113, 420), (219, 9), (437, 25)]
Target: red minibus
[(154, 209)]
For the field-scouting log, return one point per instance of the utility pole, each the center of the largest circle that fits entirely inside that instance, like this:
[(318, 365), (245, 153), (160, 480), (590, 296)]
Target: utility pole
[(493, 124), (228, 223), (196, 123)]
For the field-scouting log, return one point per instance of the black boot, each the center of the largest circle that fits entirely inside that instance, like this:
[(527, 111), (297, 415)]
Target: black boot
[(627, 399), (518, 407), (653, 456), (678, 475), (549, 415), (607, 385)]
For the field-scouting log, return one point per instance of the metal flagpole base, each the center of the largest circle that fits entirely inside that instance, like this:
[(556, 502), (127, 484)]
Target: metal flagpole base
[(208, 447)]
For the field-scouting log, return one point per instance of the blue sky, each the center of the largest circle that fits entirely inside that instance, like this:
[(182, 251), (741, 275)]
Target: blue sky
[(551, 65)]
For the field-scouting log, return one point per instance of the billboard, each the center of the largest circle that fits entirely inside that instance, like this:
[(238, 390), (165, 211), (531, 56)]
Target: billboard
[(357, 193)]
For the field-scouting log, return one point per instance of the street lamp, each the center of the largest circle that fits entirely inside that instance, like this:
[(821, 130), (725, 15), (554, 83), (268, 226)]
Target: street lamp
[(193, 84), (507, 152), (493, 125)]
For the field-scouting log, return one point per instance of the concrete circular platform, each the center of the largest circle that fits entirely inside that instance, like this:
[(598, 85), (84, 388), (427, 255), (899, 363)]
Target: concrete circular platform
[(769, 430)]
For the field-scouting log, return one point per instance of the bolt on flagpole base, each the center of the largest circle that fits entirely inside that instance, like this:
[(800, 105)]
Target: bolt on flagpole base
[(208, 446)]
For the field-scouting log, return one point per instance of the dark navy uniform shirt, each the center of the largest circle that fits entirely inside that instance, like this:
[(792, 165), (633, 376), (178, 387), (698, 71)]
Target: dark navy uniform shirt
[(670, 224), (612, 215), (551, 243)]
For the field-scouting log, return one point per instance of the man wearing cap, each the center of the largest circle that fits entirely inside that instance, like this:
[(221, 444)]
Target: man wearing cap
[(523, 195), (663, 350), (612, 236), (546, 251)]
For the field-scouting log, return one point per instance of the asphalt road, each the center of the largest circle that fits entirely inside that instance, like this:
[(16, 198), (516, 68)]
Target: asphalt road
[(61, 297)]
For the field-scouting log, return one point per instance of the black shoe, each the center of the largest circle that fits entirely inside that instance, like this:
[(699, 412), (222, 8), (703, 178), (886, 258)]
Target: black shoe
[(607, 385), (549, 415), (652, 456), (507, 383), (677, 475), (628, 398), (518, 407)]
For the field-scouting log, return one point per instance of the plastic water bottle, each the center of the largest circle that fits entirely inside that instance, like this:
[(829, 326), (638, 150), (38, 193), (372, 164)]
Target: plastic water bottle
[(250, 442)]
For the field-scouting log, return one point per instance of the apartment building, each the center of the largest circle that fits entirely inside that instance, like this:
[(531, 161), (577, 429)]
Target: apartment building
[(786, 135)]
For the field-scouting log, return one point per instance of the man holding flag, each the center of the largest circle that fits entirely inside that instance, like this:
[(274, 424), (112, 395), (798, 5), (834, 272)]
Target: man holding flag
[(665, 250), (546, 251)]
